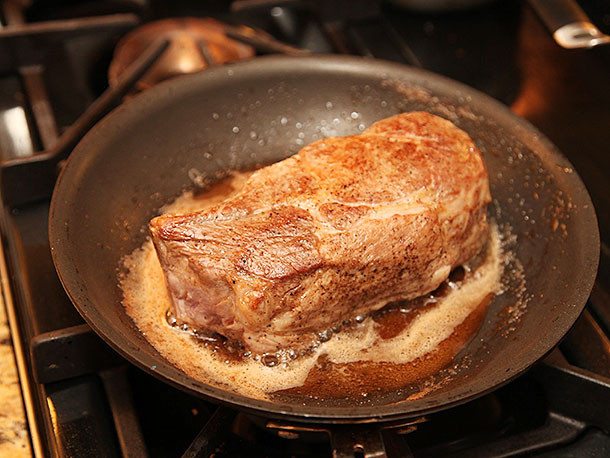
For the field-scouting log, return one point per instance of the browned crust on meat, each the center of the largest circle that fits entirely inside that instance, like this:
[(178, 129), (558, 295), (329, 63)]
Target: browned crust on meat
[(335, 230)]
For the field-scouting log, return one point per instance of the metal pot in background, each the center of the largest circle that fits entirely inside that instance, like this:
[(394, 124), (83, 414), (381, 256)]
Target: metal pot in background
[(569, 24)]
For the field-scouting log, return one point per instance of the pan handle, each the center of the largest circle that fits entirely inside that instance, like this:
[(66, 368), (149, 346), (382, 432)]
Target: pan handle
[(569, 24)]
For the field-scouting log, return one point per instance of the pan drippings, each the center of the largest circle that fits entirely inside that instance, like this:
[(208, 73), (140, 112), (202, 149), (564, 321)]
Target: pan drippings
[(402, 343)]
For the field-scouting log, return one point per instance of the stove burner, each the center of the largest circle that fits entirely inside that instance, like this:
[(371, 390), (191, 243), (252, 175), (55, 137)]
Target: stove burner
[(195, 44)]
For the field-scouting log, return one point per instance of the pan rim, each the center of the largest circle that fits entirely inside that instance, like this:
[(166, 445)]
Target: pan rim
[(323, 63)]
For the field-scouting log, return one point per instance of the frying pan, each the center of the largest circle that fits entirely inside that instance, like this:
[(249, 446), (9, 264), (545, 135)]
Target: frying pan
[(146, 152)]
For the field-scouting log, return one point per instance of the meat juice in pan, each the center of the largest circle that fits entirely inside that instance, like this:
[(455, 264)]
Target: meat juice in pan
[(389, 350), (202, 356)]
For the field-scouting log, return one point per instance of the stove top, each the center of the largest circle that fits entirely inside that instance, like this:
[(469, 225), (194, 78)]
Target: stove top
[(82, 399)]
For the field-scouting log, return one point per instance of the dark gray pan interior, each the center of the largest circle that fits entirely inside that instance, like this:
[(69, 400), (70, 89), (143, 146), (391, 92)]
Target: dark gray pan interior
[(185, 132)]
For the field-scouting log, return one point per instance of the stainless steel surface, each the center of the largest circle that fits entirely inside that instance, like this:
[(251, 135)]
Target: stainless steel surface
[(15, 140), (35, 88), (580, 35), (34, 84), (569, 24)]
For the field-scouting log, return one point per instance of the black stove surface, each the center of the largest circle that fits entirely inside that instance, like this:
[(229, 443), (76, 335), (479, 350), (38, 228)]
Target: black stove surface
[(84, 400)]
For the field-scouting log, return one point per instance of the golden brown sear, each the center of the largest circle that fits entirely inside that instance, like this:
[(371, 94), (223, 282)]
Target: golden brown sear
[(334, 232)]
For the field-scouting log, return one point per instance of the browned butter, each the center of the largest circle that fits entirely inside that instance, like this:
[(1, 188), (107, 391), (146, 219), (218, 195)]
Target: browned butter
[(387, 351)]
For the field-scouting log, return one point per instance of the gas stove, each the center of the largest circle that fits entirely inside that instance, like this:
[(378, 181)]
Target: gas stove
[(82, 399)]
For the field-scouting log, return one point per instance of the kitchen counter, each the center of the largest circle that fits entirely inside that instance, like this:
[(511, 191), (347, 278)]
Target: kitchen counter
[(14, 436)]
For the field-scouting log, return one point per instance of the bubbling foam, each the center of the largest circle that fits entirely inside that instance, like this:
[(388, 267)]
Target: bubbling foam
[(428, 329)]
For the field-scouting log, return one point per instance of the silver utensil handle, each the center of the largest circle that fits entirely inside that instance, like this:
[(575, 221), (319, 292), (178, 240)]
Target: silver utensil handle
[(569, 24)]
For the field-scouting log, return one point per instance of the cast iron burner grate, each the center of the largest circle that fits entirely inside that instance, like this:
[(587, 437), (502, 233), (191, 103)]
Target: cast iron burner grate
[(82, 399)]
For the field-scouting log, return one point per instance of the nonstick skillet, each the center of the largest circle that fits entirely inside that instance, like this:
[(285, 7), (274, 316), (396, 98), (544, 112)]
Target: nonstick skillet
[(188, 131)]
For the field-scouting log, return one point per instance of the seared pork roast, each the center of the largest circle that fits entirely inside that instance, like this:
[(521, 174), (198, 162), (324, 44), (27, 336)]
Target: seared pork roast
[(334, 232)]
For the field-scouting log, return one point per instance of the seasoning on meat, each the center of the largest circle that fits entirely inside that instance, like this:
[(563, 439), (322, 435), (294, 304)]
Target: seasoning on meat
[(334, 232)]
